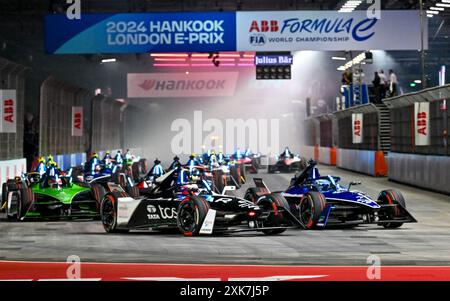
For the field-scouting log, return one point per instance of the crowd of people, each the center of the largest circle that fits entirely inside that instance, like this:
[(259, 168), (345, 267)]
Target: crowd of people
[(384, 86)]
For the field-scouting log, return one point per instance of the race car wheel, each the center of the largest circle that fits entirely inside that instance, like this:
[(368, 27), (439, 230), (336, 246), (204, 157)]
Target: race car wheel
[(108, 214), (25, 199), (271, 169), (191, 214), (311, 206), (273, 202), (119, 179), (143, 166), (5, 192), (135, 170), (219, 181), (390, 197), (252, 194), (98, 193), (133, 191)]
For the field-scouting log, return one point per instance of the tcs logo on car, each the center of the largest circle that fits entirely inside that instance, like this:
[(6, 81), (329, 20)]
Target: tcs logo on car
[(264, 26)]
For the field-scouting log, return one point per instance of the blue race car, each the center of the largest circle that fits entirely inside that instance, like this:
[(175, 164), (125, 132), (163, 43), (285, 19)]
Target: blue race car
[(320, 202)]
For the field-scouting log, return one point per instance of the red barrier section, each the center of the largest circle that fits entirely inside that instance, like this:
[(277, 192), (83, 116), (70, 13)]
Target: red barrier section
[(381, 167), (158, 272), (333, 156), (316, 153)]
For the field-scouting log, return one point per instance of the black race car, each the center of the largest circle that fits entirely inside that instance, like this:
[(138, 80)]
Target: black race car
[(193, 209)]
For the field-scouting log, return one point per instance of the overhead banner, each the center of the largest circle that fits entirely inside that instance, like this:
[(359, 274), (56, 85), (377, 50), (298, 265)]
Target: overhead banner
[(328, 30), (181, 85), (357, 124), (77, 121), (141, 33), (8, 111), (422, 123), (234, 31)]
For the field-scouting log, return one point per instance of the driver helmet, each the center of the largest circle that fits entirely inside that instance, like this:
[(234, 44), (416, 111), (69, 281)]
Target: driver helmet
[(95, 155), (41, 159)]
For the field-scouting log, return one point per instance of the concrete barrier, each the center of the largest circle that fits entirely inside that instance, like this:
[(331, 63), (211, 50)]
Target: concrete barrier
[(364, 161), (327, 155), (11, 168), (426, 171)]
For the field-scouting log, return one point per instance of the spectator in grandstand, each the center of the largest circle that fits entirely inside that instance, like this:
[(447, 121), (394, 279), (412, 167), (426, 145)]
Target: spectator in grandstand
[(393, 83), (376, 87)]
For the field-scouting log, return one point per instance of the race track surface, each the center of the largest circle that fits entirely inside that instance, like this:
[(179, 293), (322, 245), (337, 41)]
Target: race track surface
[(426, 243)]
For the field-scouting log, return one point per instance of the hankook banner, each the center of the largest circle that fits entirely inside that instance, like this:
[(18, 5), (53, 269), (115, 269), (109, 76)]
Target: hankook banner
[(181, 85), (234, 31)]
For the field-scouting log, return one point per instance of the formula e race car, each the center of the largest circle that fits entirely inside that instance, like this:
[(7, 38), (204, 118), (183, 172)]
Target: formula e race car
[(321, 202), (32, 197), (286, 163), (193, 209)]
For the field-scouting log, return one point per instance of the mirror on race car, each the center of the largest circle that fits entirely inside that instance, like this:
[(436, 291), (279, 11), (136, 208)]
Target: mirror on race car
[(354, 183)]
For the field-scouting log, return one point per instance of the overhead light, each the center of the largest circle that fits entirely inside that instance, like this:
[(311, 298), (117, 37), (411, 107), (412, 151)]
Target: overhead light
[(437, 8), (108, 60), (337, 58), (418, 81), (433, 12), (442, 5)]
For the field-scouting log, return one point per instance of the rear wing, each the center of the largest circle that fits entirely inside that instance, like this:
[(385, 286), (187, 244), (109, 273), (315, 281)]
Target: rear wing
[(259, 183)]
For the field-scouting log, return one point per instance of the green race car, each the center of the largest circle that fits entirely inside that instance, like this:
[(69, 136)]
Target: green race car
[(33, 197)]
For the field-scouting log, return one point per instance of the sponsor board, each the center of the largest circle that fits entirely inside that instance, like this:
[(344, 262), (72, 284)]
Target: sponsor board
[(422, 123), (141, 33), (357, 128), (328, 30), (8, 111), (77, 121), (274, 60), (180, 85)]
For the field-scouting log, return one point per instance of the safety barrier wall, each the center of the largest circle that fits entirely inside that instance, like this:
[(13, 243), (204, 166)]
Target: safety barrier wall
[(327, 155), (12, 77), (11, 168), (364, 161), (403, 127), (55, 130), (425, 171)]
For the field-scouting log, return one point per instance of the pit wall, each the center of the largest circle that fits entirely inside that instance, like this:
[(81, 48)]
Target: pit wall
[(426, 171), (323, 155), (367, 162)]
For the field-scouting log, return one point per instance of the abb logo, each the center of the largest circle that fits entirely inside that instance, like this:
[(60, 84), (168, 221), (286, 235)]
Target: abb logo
[(77, 121), (357, 127), (8, 110), (264, 26), (422, 119)]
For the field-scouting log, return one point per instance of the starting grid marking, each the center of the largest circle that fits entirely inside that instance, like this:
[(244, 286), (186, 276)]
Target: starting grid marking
[(56, 271)]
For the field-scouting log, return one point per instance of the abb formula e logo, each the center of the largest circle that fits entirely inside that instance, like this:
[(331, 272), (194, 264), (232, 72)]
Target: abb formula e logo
[(257, 28), (422, 123), (8, 110)]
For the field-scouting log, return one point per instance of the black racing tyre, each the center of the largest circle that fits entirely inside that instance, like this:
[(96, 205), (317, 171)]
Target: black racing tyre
[(143, 166), (26, 200), (271, 169), (191, 214), (236, 174), (273, 202), (119, 179), (252, 194), (392, 196), (133, 191), (108, 214), (219, 180), (98, 193), (135, 170), (5, 192), (311, 207)]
